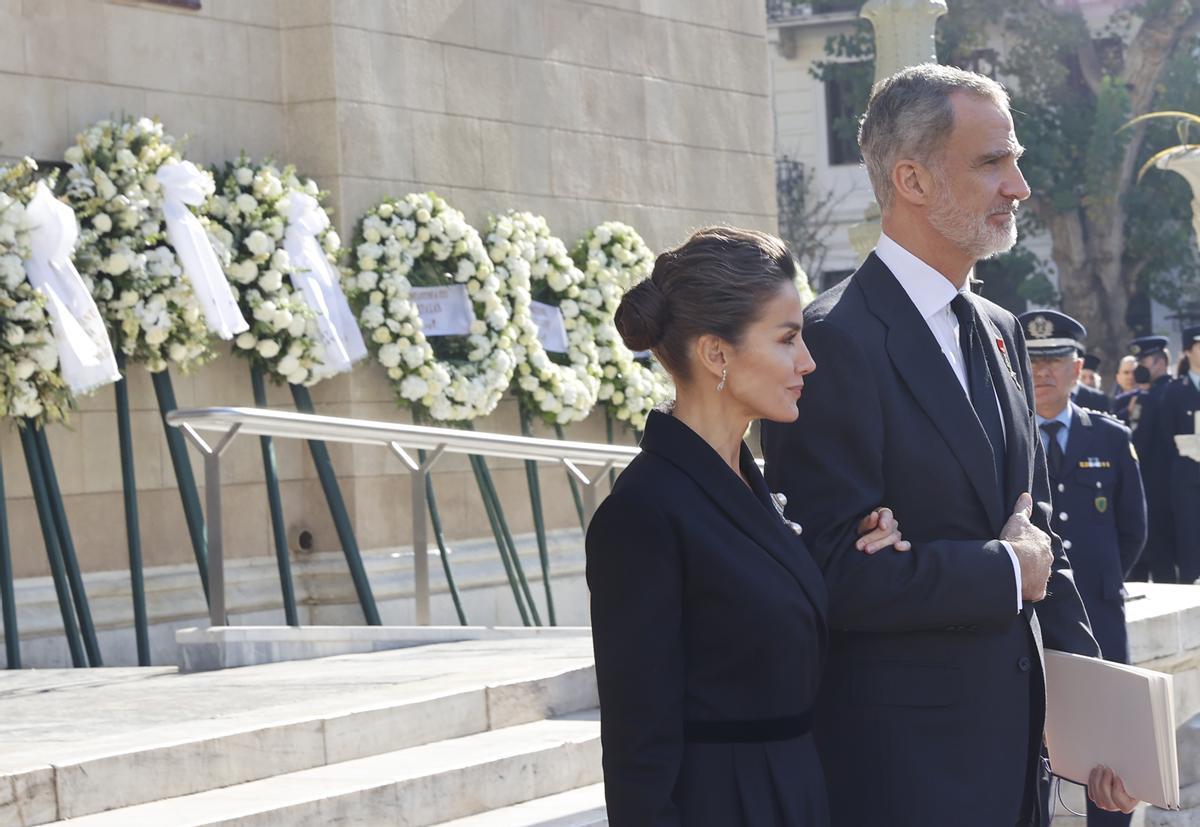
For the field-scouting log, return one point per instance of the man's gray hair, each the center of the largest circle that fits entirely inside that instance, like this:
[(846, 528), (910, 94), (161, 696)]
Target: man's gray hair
[(910, 115)]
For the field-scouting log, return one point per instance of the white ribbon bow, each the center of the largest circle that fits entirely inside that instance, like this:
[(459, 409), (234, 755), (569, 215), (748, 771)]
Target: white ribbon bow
[(319, 285), (184, 184), (85, 354)]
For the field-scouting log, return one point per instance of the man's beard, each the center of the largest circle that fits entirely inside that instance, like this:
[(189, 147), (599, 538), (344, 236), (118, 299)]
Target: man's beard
[(970, 232)]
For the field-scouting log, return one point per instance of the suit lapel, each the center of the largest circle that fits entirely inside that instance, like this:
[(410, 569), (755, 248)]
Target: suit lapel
[(750, 510), (922, 366), (1019, 450)]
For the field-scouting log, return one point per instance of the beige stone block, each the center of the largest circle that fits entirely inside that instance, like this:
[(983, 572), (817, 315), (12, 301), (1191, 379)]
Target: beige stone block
[(549, 94), (263, 79), (613, 104), (308, 64), (65, 39), (29, 797), (448, 150), (577, 33), (264, 13), (101, 455), (411, 71), (630, 42), (25, 535), (311, 139), (481, 84), (35, 116), (91, 102), (742, 62), (580, 165), (684, 114), (246, 521), (66, 452), (15, 479), (300, 13), (226, 66), (156, 50), (383, 511), (445, 21), (516, 158), (376, 141), (375, 15), (13, 38), (656, 180), (515, 27)]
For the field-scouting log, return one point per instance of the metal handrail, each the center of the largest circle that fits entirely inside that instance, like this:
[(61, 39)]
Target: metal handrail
[(400, 438)]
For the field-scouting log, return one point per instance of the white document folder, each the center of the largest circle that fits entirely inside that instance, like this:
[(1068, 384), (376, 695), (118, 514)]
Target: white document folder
[(1120, 716)]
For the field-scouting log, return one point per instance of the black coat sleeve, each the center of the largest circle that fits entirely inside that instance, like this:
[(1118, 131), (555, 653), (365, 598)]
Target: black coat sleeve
[(635, 573), (1130, 504), (1063, 619), (829, 463)]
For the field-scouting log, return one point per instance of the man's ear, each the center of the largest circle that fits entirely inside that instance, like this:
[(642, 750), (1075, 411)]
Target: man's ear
[(913, 182)]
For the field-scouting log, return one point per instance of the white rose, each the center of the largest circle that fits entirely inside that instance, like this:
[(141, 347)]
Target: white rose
[(297, 377), (288, 364), (259, 243), (25, 368), (14, 335), (178, 352), (246, 202), (246, 340), (156, 336), (102, 222), (282, 319), (115, 264), (298, 326), (271, 281), (74, 155), (268, 348), (244, 176), (333, 241)]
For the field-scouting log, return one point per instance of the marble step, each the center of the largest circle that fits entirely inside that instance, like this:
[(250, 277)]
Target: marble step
[(421, 785), (582, 807), (201, 755)]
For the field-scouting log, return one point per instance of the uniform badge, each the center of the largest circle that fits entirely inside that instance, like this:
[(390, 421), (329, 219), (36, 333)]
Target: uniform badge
[(1102, 504), (1040, 327)]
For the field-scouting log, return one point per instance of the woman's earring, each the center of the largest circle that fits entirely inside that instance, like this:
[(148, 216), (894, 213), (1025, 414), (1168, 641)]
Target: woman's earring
[(724, 376)]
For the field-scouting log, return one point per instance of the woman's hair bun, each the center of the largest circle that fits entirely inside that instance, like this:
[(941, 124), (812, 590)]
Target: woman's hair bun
[(642, 316)]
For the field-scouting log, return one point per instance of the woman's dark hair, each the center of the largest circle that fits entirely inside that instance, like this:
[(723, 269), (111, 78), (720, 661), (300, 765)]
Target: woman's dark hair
[(716, 282)]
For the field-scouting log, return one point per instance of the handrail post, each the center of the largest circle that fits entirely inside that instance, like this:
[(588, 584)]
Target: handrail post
[(419, 473), (212, 501)]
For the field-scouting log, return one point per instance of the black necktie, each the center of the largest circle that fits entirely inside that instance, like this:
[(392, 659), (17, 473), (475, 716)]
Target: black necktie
[(979, 381), (1054, 452)]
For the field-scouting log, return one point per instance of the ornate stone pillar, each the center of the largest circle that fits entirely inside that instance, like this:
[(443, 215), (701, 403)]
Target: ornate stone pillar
[(1187, 163), (904, 36)]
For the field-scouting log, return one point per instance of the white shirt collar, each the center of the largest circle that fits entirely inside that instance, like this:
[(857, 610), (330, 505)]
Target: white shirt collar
[(929, 290)]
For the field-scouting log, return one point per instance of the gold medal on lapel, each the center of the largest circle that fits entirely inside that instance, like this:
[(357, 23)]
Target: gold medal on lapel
[(1102, 504)]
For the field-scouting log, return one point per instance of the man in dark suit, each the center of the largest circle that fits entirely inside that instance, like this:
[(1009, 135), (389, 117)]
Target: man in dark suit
[(1086, 394), (934, 693), (1099, 509), (1160, 559), (1179, 406)]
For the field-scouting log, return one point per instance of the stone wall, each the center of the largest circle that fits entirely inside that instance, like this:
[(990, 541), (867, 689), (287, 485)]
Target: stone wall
[(654, 112)]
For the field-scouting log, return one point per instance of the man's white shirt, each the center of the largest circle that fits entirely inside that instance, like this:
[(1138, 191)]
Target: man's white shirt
[(932, 293)]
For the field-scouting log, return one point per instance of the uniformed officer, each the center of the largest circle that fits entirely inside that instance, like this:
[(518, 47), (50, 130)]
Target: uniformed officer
[(1099, 509), (1087, 393), (1127, 405), (1179, 407), (1159, 560)]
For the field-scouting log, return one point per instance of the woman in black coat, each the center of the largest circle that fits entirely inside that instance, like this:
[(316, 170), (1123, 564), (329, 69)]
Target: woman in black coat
[(708, 614)]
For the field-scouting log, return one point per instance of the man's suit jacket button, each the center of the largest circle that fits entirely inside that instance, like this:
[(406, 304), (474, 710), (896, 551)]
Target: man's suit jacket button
[(1024, 664), (1063, 516), (1061, 488), (1067, 545)]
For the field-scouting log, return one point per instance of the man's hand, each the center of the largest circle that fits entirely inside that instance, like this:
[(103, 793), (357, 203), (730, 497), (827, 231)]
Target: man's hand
[(1032, 547), (1107, 791)]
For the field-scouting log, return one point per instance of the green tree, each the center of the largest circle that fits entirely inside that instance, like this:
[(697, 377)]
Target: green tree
[(1073, 87)]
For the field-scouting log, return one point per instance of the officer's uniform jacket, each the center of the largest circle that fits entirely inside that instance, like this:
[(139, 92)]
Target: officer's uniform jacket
[(1100, 513)]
